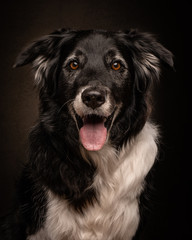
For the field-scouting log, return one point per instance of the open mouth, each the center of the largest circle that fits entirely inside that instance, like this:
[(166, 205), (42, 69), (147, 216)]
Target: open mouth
[(93, 130)]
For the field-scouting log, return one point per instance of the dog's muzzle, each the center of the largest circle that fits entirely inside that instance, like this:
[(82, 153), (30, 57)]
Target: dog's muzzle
[(93, 110)]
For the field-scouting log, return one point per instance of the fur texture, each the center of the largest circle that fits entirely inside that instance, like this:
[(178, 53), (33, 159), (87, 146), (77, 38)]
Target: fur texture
[(94, 143)]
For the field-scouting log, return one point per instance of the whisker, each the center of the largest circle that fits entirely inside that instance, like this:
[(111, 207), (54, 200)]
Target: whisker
[(71, 100)]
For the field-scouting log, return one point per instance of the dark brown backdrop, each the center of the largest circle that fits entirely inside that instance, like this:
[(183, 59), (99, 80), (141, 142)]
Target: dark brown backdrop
[(24, 21)]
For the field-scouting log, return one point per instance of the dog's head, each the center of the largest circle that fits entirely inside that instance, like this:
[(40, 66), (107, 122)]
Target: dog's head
[(100, 78)]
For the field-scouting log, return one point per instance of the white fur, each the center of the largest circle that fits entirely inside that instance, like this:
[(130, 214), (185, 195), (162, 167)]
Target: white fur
[(119, 182), (41, 65), (150, 62)]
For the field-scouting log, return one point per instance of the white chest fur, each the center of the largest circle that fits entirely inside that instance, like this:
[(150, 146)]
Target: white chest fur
[(119, 181)]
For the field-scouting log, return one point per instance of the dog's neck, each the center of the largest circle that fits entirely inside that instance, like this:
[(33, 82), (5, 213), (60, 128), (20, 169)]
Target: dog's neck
[(130, 165)]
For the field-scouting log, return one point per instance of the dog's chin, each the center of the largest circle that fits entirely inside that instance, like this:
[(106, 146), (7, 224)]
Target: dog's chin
[(94, 130)]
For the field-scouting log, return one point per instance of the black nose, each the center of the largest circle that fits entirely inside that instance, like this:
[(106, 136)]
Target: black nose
[(93, 98)]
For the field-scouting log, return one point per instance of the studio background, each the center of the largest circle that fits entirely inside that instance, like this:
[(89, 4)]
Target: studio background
[(25, 21)]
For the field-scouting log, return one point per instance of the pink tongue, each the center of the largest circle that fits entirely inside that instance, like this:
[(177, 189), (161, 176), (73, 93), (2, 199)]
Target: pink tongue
[(93, 135)]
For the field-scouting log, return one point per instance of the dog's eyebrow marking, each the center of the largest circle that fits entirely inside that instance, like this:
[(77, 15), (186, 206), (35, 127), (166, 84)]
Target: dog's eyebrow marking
[(77, 55), (70, 58), (114, 54)]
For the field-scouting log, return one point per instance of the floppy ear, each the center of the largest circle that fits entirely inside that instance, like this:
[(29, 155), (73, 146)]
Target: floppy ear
[(44, 54), (43, 47), (147, 55)]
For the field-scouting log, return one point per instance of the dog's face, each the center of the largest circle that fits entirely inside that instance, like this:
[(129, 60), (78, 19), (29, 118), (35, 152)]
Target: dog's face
[(100, 78), (99, 73)]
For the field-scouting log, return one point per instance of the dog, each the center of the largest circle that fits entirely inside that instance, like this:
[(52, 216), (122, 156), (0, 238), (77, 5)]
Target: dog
[(94, 143)]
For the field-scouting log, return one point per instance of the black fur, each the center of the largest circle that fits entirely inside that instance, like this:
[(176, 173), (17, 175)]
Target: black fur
[(55, 160)]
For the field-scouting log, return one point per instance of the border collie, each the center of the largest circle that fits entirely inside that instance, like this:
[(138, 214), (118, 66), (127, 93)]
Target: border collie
[(94, 143)]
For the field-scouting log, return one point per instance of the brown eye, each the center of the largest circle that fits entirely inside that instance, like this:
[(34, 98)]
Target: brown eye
[(74, 65), (116, 66)]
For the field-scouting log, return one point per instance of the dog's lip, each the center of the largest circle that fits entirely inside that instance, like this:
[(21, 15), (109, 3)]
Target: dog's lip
[(98, 117), (107, 120)]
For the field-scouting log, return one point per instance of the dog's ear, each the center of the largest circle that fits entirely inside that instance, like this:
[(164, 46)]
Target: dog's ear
[(147, 57), (44, 53), (46, 47), (42, 48)]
